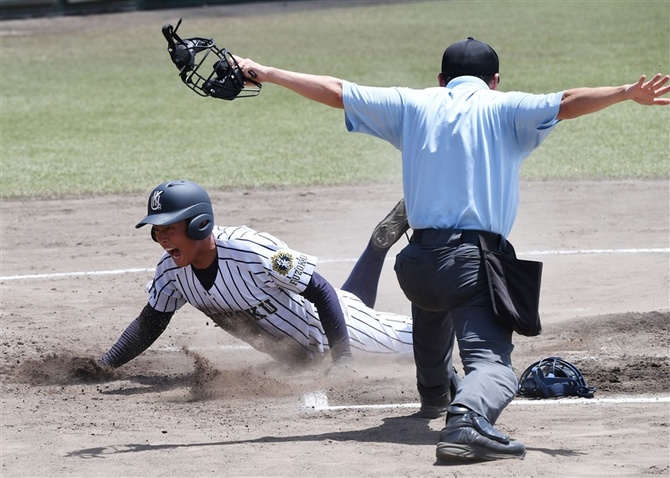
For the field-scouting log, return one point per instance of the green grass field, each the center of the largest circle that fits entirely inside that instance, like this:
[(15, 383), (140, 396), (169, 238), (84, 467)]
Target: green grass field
[(95, 111)]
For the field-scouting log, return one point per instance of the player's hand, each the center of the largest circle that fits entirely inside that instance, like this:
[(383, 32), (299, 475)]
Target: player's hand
[(650, 92), (90, 370)]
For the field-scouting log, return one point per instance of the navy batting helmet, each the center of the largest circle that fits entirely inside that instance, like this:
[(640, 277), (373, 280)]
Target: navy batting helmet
[(175, 201), (553, 377)]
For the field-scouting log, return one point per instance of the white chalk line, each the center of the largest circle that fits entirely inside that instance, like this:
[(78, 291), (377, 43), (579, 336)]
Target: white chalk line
[(653, 250), (58, 275), (175, 348), (318, 401), (573, 354)]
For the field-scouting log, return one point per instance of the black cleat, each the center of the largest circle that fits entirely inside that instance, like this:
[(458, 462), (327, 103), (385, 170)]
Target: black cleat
[(435, 408), (470, 437), (438, 407), (389, 230)]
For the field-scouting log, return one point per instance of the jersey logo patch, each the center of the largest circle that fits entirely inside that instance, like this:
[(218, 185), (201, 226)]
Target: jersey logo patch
[(282, 262)]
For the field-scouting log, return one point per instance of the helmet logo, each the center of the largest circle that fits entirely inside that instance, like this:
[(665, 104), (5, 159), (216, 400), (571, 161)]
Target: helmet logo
[(156, 200)]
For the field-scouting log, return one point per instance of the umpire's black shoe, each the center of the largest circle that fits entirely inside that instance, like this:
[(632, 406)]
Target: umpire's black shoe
[(437, 407), (470, 437), (389, 230), (434, 408)]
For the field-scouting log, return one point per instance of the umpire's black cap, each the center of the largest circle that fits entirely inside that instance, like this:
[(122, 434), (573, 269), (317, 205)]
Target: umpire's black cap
[(469, 57)]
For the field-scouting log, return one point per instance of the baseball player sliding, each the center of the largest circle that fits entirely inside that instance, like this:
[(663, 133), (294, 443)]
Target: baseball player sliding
[(255, 287)]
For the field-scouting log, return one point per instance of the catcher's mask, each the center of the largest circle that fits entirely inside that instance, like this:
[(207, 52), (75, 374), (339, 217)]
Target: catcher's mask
[(175, 201), (225, 81), (553, 377)]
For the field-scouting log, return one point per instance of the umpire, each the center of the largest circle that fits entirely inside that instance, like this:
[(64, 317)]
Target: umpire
[(462, 146)]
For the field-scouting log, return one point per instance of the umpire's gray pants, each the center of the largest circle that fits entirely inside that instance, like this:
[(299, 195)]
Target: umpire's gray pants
[(443, 275)]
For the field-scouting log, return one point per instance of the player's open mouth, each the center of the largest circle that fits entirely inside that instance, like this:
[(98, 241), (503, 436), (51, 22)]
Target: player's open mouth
[(174, 252)]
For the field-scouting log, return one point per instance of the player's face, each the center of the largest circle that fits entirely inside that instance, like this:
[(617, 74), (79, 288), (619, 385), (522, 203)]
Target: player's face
[(174, 240)]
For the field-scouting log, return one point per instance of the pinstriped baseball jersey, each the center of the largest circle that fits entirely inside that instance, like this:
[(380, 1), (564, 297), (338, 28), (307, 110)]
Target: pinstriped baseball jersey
[(256, 298)]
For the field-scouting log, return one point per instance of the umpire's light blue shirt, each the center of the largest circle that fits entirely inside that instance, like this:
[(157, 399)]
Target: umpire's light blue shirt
[(462, 147)]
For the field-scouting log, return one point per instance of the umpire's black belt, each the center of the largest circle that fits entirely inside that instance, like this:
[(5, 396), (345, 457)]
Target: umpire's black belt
[(456, 237)]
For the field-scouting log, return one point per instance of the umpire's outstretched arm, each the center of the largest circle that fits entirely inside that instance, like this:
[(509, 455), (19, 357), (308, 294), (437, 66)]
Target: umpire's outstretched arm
[(319, 88), (576, 102)]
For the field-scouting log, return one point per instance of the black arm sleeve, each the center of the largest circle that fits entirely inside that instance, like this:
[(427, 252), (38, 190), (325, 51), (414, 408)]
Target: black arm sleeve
[(138, 336), (320, 293)]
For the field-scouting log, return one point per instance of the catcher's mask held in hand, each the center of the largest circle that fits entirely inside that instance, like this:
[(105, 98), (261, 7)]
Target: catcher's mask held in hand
[(225, 81), (553, 377)]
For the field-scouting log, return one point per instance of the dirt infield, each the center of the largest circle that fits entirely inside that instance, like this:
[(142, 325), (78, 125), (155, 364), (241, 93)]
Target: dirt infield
[(198, 403)]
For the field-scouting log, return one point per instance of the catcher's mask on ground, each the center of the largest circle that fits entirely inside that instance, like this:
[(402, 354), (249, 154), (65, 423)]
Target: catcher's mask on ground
[(175, 201), (225, 81), (553, 377)]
